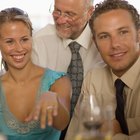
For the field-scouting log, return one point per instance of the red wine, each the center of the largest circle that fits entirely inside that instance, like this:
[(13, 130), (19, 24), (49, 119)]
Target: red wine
[(92, 125)]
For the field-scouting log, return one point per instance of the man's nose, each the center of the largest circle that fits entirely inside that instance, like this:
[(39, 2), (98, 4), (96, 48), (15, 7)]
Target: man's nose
[(115, 41)]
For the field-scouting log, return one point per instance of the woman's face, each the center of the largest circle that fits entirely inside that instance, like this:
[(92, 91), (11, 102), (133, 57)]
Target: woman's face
[(15, 44)]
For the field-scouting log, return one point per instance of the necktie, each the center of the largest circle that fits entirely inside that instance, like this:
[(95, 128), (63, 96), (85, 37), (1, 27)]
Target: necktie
[(75, 71), (120, 105)]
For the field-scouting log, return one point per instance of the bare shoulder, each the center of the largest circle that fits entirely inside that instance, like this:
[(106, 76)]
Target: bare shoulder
[(64, 80), (38, 71), (62, 83)]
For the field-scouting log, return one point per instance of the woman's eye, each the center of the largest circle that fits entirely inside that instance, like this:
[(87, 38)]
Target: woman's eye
[(24, 39)]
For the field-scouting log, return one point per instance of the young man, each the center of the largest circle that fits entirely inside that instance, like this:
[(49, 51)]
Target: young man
[(51, 44), (116, 32)]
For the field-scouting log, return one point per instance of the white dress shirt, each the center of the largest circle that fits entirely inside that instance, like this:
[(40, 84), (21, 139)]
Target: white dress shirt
[(53, 52)]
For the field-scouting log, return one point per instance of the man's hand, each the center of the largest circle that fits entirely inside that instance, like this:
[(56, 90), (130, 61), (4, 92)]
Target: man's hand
[(115, 127)]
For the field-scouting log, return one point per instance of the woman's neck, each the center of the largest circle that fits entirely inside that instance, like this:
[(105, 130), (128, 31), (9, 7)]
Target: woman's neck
[(21, 76)]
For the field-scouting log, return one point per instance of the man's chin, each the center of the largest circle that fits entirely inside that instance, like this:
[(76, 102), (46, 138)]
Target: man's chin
[(63, 35)]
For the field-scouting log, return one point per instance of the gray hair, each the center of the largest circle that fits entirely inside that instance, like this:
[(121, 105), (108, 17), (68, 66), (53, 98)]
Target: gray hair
[(89, 3)]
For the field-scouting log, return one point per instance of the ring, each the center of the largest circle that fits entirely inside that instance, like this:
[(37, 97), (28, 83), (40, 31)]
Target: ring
[(49, 107)]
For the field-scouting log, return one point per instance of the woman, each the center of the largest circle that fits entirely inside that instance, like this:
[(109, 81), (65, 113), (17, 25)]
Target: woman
[(34, 102)]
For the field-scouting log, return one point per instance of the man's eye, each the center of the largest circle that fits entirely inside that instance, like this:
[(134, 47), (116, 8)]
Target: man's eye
[(70, 14), (9, 42), (103, 36), (123, 32)]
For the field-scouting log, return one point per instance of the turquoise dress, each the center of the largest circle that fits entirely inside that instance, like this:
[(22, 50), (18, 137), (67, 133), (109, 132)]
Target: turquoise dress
[(16, 130)]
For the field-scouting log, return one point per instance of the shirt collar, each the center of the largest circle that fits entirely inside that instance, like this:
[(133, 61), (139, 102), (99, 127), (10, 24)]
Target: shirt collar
[(85, 39), (130, 77)]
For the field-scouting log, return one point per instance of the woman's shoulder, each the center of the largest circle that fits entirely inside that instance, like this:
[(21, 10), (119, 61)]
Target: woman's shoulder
[(49, 78), (52, 73)]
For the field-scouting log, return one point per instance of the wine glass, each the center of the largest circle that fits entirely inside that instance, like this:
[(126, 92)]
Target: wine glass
[(91, 119)]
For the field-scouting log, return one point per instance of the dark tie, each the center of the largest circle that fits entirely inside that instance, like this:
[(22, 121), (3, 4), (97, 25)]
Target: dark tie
[(75, 71), (120, 105)]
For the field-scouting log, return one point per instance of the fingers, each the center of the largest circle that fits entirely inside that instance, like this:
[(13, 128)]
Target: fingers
[(116, 127), (34, 115), (37, 112), (47, 115), (50, 115), (45, 110)]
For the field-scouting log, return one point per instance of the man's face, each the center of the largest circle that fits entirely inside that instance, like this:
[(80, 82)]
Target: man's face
[(117, 39), (70, 17)]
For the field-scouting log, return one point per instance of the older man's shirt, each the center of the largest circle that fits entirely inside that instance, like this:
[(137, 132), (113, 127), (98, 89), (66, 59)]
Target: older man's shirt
[(53, 52)]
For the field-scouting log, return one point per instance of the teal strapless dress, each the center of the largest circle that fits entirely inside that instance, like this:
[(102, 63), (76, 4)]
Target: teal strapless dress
[(16, 130)]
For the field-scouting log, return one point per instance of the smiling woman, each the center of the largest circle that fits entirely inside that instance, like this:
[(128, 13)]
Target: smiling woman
[(31, 97)]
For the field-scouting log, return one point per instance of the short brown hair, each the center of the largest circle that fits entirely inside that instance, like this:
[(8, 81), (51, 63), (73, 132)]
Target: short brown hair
[(108, 5)]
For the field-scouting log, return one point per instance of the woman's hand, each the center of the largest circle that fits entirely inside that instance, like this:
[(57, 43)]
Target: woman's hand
[(45, 110), (54, 105)]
